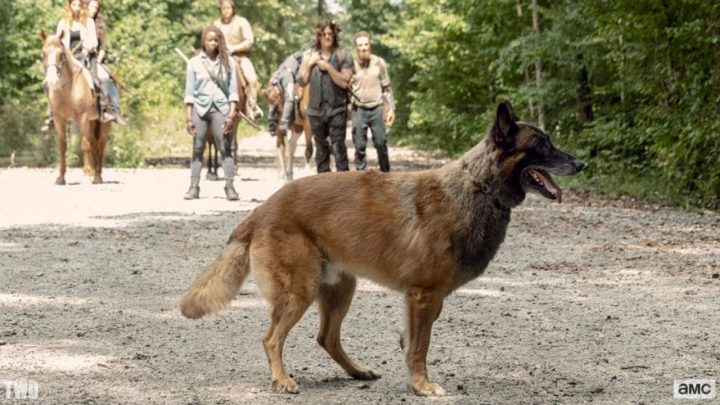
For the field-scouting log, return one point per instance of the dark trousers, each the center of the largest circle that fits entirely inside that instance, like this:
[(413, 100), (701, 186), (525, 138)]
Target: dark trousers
[(362, 120), (212, 120), (102, 85), (329, 135)]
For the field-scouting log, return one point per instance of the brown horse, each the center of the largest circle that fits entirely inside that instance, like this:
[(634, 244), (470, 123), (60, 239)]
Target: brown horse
[(273, 95), (72, 98)]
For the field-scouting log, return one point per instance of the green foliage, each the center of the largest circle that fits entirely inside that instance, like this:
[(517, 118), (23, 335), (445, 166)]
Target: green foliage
[(632, 87), (649, 70), (142, 37)]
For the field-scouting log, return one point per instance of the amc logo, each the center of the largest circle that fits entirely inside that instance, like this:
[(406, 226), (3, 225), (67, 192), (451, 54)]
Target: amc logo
[(694, 389)]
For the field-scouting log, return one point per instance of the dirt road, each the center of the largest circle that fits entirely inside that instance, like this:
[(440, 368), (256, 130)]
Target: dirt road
[(591, 300)]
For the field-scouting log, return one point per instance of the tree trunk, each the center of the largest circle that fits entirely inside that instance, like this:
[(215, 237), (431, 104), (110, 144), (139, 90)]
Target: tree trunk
[(622, 80), (584, 93), (321, 8), (531, 105), (538, 66)]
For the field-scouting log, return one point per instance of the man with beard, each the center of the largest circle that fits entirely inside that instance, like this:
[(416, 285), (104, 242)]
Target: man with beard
[(371, 93), (327, 69)]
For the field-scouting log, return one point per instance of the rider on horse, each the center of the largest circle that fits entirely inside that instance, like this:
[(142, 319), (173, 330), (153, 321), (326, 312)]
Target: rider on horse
[(284, 78), (78, 34), (239, 40)]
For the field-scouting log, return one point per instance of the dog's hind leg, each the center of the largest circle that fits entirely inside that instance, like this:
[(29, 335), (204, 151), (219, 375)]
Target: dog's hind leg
[(423, 308), (289, 278), (334, 302), (286, 311)]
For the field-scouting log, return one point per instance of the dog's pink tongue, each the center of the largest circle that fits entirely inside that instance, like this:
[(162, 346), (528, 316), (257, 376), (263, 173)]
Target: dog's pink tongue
[(550, 184)]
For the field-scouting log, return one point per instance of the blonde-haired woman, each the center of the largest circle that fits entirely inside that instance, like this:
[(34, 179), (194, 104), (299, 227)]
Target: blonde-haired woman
[(211, 98), (78, 34), (77, 29)]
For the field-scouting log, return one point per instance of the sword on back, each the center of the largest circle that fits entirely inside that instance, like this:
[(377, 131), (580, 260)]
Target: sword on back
[(237, 111)]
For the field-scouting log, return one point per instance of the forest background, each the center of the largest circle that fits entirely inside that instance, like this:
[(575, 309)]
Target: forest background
[(631, 87)]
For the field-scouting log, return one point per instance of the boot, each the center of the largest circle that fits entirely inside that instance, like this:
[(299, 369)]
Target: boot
[(108, 116), (230, 193), (193, 193)]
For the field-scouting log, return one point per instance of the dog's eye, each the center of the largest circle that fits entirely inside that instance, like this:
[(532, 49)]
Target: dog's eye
[(542, 145)]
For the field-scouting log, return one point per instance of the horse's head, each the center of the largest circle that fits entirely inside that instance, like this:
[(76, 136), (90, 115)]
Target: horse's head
[(271, 94), (53, 57)]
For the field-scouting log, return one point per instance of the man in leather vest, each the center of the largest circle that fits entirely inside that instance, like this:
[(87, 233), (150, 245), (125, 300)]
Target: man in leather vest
[(328, 69)]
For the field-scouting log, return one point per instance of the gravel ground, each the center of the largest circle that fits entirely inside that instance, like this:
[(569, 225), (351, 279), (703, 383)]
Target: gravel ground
[(591, 300)]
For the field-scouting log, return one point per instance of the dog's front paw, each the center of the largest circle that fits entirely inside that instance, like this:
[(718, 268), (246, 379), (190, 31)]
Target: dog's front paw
[(285, 385), (428, 390), (365, 375)]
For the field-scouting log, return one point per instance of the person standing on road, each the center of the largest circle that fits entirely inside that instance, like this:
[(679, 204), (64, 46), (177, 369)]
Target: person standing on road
[(211, 98), (372, 98), (327, 69)]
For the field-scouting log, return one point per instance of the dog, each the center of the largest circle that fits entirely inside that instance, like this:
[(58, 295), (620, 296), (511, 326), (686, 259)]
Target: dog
[(424, 234)]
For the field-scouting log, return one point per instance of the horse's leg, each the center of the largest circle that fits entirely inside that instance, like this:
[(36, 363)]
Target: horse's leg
[(61, 131), (102, 134), (308, 141), (234, 145), (292, 146), (216, 152), (280, 147), (88, 145), (211, 165)]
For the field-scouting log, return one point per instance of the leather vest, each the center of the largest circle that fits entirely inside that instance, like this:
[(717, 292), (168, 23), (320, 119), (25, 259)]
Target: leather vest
[(323, 91)]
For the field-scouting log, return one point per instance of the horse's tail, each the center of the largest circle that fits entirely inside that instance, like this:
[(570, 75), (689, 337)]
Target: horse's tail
[(217, 285)]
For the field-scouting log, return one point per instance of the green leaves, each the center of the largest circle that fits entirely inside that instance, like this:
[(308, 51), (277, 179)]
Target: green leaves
[(647, 71), (631, 86)]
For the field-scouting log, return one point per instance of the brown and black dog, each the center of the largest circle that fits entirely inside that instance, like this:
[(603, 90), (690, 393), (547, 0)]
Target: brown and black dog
[(424, 234)]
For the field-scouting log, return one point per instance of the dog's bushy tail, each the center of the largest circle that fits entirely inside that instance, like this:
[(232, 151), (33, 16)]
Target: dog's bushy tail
[(217, 285)]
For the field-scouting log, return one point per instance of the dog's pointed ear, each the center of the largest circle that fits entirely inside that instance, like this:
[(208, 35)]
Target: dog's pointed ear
[(43, 35), (505, 127)]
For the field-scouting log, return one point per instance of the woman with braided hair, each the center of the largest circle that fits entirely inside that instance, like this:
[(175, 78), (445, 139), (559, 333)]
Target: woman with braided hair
[(211, 98)]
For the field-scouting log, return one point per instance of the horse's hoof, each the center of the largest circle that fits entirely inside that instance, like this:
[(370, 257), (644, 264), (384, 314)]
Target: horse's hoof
[(60, 181), (97, 180), (212, 176)]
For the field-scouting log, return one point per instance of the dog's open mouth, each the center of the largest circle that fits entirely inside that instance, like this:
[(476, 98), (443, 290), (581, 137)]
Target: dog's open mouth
[(541, 181)]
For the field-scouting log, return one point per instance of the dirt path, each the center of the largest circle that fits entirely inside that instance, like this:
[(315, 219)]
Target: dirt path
[(590, 300)]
